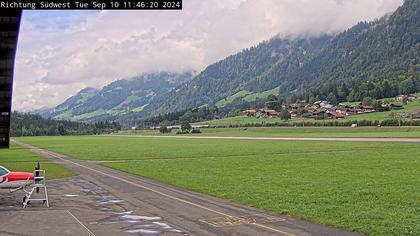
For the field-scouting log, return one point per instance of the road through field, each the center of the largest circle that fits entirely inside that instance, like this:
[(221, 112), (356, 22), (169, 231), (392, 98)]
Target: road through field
[(184, 212), (394, 140)]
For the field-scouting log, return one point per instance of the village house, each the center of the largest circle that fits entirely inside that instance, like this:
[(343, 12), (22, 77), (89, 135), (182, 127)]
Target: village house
[(250, 112), (293, 113), (266, 113), (335, 115), (366, 109), (341, 110), (396, 106), (323, 104), (401, 98), (347, 110), (323, 109), (412, 97), (415, 115), (317, 113), (293, 108)]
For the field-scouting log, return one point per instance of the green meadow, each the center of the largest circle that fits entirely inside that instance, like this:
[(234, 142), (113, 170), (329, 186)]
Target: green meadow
[(368, 187), (20, 159), (308, 132)]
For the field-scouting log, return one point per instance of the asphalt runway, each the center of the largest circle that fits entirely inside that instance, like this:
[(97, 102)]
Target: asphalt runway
[(110, 202), (392, 140)]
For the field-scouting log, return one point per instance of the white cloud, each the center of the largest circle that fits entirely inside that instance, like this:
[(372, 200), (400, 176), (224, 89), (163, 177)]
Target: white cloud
[(61, 53)]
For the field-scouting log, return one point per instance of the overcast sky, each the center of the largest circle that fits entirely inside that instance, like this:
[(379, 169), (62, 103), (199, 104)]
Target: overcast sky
[(62, 52)]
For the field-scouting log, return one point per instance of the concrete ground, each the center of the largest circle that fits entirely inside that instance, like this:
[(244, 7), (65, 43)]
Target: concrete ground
[(102, 201)]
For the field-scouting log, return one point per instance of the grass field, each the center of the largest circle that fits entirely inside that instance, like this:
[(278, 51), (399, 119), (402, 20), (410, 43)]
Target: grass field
[(372, 188), (19, 159), (312, 132)]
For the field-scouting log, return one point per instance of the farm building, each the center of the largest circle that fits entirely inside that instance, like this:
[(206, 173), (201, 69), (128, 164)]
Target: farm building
[(266, 113), (401, 98), (412, 97), (366, 109), (396, 106), (335, 115), (415, 115), (250, 112)]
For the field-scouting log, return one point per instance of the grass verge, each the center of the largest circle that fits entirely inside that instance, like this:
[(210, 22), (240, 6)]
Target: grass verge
[(19, 159)]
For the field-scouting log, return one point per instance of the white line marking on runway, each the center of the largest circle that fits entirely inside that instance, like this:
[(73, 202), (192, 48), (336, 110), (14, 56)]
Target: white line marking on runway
[(78, 221)]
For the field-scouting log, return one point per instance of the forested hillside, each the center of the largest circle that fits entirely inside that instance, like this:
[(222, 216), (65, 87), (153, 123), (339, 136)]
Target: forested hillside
[(34, 125), (377, 59), (243, 71)]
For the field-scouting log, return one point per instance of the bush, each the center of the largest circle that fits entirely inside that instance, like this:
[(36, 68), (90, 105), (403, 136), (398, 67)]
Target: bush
[(196, 131), (164, 129), (285, 115), (390, 123), (182, 132), (186, 126)]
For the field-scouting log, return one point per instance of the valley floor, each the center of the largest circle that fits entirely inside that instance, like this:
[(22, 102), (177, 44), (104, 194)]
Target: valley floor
[(313, 132), (368, 187)]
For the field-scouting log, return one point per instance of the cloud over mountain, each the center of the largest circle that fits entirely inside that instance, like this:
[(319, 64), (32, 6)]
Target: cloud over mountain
[(62, 52)]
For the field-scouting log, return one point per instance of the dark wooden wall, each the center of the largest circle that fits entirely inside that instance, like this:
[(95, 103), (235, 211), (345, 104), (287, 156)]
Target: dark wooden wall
[(9, 31)]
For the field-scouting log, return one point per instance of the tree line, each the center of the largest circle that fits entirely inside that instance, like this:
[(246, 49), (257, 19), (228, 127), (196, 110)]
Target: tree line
[(25, 124), (356, 90)]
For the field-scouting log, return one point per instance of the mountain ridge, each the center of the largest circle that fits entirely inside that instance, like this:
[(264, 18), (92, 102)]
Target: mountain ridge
[(118, 98)]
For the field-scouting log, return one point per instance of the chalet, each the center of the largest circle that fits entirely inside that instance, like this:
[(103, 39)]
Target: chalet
[(401, 98), (412, 97), (250, 112), (415, 115), (366, 109), (323, 104), (293, 113), (327, 106), (345, 110), (266, 113), (335, 115), (341, 110), (318, 113), (293, 107), (317, 103), (396, 106)]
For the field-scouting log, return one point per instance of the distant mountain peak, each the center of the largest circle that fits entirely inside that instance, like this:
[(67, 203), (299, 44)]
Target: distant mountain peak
[(118, 98)]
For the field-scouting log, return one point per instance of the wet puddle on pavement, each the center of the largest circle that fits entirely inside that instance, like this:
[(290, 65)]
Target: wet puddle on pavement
[(117, 214)]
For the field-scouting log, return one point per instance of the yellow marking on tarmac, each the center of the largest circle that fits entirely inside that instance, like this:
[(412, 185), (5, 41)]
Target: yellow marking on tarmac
[(221, 222), (160, 193)]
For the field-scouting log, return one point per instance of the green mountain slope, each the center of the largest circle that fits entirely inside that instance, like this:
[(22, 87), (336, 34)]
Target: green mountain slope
[(243, 71), (377, 59), (117, 99), (379, 52)]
